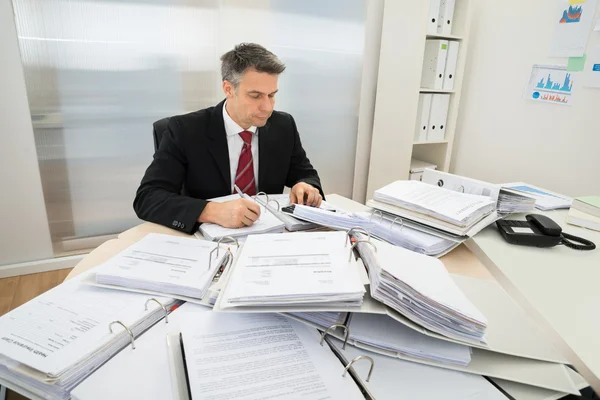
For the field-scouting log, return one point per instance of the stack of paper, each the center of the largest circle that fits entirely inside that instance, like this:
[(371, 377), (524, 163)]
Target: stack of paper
[(266, 223), (165, 264), (544, 199), (275, 202), (322, 320), (385, 333), (420, 288), (53, 342), (402, 233), (459, 209), (507, 201), (308, 268)]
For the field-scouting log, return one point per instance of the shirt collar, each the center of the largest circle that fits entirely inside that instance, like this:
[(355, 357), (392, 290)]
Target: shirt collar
[(231, 127)]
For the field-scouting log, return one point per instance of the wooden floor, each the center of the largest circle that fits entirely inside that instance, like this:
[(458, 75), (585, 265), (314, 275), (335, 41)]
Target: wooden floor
[(20, 289)]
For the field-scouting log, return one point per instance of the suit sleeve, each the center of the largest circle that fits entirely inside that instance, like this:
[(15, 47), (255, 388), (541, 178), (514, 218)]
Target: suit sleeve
[(301, 170), (159, 199)]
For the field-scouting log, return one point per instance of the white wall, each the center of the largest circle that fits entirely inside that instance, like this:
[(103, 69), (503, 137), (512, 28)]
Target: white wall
[(24, 233), (501, 137)]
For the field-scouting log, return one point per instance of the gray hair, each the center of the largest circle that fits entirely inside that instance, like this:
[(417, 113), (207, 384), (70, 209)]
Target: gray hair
[(247, 56)]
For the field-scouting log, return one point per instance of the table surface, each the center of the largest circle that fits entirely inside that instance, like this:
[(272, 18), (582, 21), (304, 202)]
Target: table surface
[(558, 287)]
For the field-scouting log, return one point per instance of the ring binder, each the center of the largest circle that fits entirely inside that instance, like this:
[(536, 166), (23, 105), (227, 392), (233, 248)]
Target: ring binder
[(346, 334), (394, 221), (218, 247), (374, 212), (368, 241), (161, 306), (126, 328), (461, 189), (228, 264), (263, 193), (278, 205), (358, 229), (359, 358)]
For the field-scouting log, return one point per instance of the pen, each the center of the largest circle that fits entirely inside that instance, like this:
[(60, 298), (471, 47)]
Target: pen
[(243, 195)]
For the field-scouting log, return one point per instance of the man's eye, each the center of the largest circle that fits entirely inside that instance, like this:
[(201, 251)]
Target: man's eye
[(255, 96)]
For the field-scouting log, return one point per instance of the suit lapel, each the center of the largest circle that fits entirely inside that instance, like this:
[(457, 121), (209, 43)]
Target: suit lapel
[(266, 146), (218, 143)]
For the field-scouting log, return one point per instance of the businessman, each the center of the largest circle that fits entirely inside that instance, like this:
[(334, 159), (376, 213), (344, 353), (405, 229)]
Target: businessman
[(241, 141)]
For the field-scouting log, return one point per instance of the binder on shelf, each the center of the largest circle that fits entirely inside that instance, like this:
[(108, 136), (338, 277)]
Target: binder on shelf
[(434, 63), (445, 17), (434, 13), (438, 117), (451, 60), (423, 117)]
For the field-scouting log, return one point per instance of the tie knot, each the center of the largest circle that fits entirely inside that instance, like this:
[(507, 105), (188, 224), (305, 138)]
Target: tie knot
[(246, 137)]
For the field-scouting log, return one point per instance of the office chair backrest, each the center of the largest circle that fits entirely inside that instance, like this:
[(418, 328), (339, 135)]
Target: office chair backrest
[(160, 127)]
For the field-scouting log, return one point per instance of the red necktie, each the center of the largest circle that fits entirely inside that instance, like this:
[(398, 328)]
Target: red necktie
[(244, 177)]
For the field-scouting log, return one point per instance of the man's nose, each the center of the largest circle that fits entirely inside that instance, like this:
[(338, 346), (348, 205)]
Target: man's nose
[(267, 104)]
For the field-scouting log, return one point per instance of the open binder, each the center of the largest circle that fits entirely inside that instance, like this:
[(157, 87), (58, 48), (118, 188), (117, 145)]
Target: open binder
[(355, 373), (52, 343)]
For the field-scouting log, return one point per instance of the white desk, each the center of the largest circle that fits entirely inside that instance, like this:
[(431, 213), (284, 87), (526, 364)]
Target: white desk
[(558, 287)]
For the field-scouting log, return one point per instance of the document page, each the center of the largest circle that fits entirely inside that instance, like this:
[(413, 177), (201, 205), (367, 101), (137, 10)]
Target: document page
[(260, 356), (421, 197), (165, 259), (296, 267), (53, 331)]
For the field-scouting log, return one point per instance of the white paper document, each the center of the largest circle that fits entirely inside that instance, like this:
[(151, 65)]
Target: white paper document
[(250, 356), (573, 22), (544, 199), (591, 72), (266, 223), (165, 264), (551, 84), (296, 268), (460, 209)]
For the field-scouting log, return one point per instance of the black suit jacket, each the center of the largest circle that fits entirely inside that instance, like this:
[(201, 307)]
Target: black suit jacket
[(192, 164)]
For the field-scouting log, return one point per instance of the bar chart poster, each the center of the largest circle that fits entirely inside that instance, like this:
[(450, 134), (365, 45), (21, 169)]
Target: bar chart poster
[(573, 20), (550, 84)]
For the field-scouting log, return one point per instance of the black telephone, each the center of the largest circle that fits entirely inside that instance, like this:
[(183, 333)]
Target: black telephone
[(540, 231)]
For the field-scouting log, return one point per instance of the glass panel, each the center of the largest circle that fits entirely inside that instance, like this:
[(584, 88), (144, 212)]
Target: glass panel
[(99, 73)]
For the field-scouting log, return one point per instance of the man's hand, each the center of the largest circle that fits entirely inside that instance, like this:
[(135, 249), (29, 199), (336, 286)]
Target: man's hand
[(303, 193), (231, 214)]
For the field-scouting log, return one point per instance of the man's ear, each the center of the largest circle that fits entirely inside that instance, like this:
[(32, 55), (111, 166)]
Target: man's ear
[(228, 89)]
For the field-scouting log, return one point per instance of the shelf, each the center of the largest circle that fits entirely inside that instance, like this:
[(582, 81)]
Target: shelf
[(444, 37), (422, 90), (434, 142)]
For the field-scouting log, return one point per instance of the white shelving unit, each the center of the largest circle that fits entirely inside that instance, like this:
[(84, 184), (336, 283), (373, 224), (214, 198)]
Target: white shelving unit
[(398, 88)]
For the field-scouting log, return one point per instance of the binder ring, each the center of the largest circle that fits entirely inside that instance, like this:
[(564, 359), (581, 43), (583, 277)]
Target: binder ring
[(358, 229), (394, 221), (126, 328), (231, 239), (361, 241), (334, 326), (461, 189), (278, 205), (161, 306), (263, 194), (373, 213), (360, 358)]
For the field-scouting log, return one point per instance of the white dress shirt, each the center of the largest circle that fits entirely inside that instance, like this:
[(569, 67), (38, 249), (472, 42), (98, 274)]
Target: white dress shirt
[(235, 144)]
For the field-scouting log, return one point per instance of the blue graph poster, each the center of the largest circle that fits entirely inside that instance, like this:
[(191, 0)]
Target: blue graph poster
[(551, 84), (573, 21)]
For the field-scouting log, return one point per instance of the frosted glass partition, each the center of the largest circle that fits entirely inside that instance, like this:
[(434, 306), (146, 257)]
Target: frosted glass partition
[(99, 73)]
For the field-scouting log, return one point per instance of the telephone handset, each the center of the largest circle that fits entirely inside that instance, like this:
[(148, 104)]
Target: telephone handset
[(539, 231)]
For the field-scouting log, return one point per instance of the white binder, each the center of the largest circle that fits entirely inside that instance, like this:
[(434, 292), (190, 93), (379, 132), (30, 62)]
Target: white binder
[(451, 60), (446, 17), (434, 64), (434, 13), (438, 117), (423, 117)]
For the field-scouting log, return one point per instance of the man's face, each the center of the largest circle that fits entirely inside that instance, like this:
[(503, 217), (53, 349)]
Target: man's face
[(253, 101)]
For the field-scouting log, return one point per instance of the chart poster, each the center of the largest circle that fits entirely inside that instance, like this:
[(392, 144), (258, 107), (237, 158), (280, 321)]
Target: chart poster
[(550, 84), (573, 20)]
